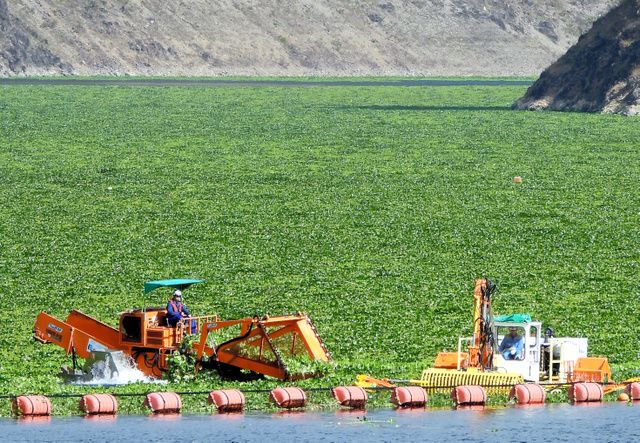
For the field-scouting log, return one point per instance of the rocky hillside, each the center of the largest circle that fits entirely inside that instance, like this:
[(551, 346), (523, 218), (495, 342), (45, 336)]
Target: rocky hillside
[(289, 37), (601, 73)]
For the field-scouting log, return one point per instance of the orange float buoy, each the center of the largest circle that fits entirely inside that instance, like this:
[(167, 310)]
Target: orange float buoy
[(98, 404), (350, 396), (469, 395), (227, 400), (623, 396), (633, 390), (585, 392), (32, 405), (409, 397), (163, 402), (528, 394), (288, 397)]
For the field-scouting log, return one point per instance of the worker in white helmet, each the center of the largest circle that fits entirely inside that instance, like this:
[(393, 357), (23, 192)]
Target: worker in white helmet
[(176, 310)]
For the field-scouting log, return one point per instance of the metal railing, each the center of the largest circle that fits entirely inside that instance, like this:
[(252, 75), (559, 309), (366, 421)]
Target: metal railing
[(192, 325)]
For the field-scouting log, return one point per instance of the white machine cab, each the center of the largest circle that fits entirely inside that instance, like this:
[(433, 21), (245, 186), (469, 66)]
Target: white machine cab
[(521, 348), (523, 359)]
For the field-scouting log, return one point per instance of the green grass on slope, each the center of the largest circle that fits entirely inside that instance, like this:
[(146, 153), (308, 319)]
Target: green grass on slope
[(371, 208)]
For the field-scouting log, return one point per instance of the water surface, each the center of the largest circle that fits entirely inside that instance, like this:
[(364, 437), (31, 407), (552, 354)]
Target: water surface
[(609, 422)]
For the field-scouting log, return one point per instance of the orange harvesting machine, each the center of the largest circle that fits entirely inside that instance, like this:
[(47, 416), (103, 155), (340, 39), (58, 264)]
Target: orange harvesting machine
[(284, 347)]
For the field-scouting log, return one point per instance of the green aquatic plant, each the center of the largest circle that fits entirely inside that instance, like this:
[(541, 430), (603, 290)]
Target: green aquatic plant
[(372, 209), (303, 367)]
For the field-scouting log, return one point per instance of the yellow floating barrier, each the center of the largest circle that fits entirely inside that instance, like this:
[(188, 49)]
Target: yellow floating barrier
[(443, 380)]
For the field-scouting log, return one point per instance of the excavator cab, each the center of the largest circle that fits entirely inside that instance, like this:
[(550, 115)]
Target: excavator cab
[(526, 361)]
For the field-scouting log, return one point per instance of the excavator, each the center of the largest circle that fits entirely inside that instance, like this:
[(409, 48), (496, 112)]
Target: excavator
[(549, 360), (282, 347)]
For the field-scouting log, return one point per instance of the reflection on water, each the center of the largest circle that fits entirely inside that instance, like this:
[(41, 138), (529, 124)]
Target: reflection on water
[(533, 406), (100, 418), (556, 422), (472, 408), (168, 417), (33, 420)]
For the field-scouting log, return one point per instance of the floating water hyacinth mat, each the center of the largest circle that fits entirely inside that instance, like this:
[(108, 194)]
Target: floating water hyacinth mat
[(373, 209)]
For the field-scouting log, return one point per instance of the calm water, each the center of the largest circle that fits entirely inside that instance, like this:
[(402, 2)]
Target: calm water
[(612, 422)]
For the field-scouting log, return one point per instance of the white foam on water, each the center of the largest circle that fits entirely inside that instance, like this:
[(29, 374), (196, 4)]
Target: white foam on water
[(121, 370)]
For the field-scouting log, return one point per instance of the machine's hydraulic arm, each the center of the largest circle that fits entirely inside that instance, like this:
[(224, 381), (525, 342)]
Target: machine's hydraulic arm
[(481, 349)]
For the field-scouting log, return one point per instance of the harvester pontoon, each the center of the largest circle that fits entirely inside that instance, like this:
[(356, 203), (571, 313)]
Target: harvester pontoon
[(253, 345)]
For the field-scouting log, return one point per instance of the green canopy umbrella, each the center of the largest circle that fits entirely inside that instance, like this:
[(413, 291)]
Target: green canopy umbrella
[(516, 318), (178, 283)]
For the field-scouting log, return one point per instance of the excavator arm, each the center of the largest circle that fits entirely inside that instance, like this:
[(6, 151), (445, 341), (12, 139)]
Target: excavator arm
[(481, 349)]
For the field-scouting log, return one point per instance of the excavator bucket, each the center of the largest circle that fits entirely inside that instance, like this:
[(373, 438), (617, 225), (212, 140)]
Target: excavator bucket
[(286, 347), (591, 369)]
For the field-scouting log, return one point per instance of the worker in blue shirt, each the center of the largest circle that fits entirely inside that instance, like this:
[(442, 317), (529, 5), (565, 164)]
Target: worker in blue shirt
[(176, 311), (512, 345)]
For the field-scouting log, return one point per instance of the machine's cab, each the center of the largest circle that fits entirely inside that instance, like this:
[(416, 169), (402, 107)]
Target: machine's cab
[(522, 358), (147, 327)]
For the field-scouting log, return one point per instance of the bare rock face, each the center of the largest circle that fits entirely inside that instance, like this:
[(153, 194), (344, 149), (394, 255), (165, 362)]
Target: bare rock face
[(22, 47), (289, 37), (601, 73)]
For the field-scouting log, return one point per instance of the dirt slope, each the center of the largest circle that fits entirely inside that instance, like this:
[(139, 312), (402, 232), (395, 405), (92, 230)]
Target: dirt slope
[(289, 37), (601, 73)]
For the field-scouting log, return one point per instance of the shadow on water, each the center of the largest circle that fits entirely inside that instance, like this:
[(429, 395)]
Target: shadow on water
[(426, 108), (195, 82)]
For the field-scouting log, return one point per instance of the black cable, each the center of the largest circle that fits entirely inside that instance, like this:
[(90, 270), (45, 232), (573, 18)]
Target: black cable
[(238, 338), (320, 389)]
